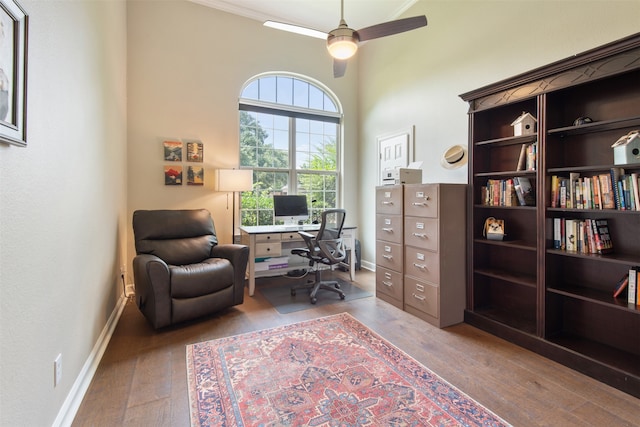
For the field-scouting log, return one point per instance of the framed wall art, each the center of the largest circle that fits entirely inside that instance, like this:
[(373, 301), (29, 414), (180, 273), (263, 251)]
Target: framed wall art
[(172, 150), (195, 151), (195, 175), (172, 175), (14, 24)]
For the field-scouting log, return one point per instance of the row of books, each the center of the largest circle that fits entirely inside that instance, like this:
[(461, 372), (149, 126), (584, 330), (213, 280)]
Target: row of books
[(527, 158), (508, 192), (613, 190), (586, 236), (630, 283)]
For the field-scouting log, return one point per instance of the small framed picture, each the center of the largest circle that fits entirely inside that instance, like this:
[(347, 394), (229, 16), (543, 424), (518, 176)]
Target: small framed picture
[(14, 28), (195, 175), (172, 175), (172, 151), (195, 151)]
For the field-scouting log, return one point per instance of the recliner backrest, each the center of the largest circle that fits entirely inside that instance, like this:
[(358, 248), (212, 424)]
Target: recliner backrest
[(178, 237)]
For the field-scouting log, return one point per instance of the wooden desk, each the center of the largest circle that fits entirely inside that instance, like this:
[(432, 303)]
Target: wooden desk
[(274, 241)]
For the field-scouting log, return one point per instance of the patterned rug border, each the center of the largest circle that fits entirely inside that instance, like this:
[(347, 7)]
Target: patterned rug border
[(346, 319)]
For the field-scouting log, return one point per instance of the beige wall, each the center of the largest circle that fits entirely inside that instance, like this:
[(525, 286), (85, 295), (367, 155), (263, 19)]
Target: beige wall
[(63, 205), (414, 79), (187, 65)]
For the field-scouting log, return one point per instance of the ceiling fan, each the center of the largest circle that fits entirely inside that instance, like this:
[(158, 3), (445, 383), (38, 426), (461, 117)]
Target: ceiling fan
[(342, 42)]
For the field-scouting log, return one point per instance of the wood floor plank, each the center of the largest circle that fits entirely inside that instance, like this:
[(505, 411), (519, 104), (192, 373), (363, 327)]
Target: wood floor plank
[(141, 380)]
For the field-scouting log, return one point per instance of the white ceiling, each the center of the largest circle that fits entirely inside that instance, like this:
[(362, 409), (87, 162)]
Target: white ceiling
[(322, 15)]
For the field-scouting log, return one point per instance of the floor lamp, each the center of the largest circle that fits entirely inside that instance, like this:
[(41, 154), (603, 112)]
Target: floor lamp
[(232, 181)]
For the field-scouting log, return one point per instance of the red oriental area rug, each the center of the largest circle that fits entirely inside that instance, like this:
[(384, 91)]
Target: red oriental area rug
[(331, 371)]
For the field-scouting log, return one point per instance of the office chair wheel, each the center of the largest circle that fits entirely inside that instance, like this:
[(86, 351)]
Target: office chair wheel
[(314, 300), (342, 296)]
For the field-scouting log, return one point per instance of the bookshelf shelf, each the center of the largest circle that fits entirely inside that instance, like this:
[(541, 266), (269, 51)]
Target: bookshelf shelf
[(507, 276), (605, 125), (596, 297), (554, 302)]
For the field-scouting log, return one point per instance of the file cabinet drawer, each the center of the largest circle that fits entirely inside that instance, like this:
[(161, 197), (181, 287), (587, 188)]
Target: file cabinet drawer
[(421, 233), (422, 296), (268, 237), (389, 283), (423, 265), (389, 199), (268, 249), (421, 200), (389, 255), (389, 228)]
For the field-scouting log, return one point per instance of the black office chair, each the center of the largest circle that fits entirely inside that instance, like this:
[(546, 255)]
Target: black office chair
[(324, 248)]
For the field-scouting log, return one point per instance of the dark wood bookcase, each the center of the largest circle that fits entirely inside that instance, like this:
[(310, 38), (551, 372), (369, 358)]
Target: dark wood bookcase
[(557, 303)]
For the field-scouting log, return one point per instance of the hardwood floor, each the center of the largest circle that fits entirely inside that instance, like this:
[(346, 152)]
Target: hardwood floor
[(141, 380)]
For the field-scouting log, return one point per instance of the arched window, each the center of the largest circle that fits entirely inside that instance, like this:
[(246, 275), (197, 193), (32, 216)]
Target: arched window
[(290, 131)]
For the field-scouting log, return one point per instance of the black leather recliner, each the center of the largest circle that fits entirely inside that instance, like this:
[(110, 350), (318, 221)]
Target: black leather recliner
[(180, 270)]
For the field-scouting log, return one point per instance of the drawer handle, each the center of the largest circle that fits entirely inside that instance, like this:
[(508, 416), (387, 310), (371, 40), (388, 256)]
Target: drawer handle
[(418, 203), (419, 297), (387, 256), (388, 284), (388, 230), (420, 266), (268, 249), (423, 235), (387, 203), (419, 288)]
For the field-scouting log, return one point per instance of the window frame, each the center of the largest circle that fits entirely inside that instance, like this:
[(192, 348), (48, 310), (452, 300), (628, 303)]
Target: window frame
[(293, 112)]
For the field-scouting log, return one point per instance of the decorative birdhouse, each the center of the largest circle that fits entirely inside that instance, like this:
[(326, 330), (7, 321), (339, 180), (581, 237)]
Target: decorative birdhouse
[(524, 125), (626, 150)]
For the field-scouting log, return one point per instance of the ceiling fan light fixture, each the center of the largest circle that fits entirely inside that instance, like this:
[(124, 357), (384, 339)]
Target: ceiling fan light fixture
[(342, 42), (342, 47)]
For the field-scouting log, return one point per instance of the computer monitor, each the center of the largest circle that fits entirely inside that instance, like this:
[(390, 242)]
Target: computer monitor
[(291, 209)]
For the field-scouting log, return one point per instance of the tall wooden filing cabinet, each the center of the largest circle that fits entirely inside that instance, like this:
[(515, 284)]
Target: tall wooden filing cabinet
[(435, 252), (421, 250), (389, 245)]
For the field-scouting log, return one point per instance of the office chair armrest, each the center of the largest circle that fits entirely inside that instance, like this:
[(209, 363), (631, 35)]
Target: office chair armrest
[(309, 239), (333, 250)]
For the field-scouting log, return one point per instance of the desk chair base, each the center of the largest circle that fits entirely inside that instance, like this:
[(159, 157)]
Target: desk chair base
[(328, 285)]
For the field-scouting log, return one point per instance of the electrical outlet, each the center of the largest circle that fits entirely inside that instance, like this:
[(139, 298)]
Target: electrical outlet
[(123, 269), (57, 370)]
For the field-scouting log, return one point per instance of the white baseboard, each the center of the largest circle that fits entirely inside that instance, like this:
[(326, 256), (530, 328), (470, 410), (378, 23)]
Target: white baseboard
[(368, 265), (71, 404)]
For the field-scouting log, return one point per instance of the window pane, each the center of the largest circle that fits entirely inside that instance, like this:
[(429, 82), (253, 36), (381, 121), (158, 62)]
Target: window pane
[(316, 98), (257, 205), (300, 93), (285, 90), (329, 105), (251, 91), (268, 89)]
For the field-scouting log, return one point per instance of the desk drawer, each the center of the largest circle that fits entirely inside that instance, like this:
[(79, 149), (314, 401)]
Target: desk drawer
[(270, 237), (389, 255), (292, 237), (422, 264), (268, 249), (421, 233), (389, 228), (422, 296)]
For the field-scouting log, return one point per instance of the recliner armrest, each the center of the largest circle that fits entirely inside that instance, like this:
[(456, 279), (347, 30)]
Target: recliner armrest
[(153, 282), (238, 256)]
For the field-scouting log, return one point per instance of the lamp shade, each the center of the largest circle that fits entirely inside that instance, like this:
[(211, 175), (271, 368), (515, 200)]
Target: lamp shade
[(234, 180)]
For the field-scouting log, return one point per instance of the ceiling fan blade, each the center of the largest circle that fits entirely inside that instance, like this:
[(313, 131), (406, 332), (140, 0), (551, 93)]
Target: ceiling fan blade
[(392, 27), (296, 29), (339, 67)]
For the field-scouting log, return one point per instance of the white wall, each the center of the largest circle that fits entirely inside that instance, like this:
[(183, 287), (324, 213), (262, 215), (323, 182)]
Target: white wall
[(62, 210), (416, 78), (187, 65)]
